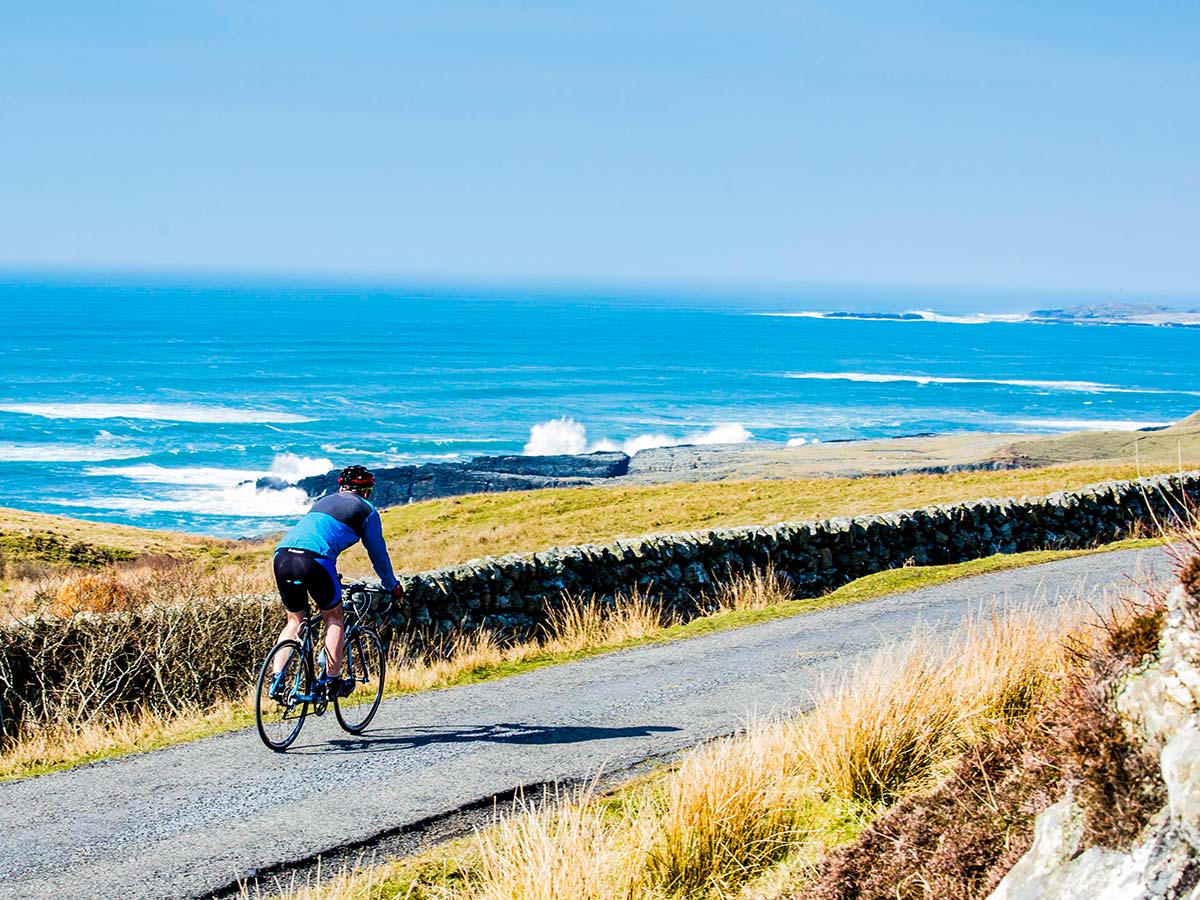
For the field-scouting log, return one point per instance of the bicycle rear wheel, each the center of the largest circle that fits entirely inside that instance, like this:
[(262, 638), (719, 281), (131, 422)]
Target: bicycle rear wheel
[(277, 712), (365, 665)]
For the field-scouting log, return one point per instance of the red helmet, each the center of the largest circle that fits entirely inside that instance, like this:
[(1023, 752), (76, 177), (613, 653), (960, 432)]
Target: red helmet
[(356, 478)]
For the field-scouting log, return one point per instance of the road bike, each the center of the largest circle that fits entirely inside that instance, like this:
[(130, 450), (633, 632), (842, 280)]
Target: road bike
[(288, 680)]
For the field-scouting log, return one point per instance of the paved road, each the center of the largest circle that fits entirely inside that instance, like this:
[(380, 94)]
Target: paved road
[(188, 820)]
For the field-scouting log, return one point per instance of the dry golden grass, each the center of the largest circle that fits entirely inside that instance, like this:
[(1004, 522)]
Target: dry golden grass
[(740, 817), (915, 707), (559, 849), (726, 813), (142, 541)]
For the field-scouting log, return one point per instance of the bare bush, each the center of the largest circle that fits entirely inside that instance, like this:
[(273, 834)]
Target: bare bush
[(195, 644)]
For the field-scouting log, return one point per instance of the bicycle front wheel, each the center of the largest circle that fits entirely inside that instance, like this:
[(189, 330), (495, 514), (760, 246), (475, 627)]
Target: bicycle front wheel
[(277, 710), (365, 666)]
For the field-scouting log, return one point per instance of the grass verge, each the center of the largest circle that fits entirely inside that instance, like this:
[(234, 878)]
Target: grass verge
[(480, 657)]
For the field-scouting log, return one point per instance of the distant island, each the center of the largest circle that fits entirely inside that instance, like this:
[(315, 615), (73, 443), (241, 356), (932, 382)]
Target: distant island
[(1117, 314)]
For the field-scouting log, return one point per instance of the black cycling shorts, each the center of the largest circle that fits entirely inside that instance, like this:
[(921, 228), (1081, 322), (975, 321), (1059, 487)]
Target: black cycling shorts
[(300, 574)]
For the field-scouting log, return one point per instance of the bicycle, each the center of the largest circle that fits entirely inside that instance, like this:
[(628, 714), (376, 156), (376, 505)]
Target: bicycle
[(283, 700)]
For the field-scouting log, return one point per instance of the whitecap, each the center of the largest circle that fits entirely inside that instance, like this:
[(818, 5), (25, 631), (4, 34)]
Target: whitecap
[(566, 436), (166, 412), (887, 378)]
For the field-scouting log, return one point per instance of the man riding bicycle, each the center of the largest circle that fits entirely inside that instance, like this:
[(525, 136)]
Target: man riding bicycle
[(305, 566)]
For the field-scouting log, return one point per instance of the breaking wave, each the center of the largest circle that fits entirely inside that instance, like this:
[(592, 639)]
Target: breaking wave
[(286, 466), (565, 436), (209, 490)]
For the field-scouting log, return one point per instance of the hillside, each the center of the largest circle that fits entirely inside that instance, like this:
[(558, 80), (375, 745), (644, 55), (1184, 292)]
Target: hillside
[(442, 532), (49, 538), (1160, 447)]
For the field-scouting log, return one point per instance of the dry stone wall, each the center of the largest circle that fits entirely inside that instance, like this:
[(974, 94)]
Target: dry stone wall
[(513, 592)]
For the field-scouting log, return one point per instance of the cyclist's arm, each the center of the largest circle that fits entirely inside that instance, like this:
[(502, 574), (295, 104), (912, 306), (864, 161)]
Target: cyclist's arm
[(377, 550)]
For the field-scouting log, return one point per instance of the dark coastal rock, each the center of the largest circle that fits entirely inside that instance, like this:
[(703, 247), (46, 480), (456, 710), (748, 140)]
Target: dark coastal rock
[(485, 474), (610, 464), (271, 483)]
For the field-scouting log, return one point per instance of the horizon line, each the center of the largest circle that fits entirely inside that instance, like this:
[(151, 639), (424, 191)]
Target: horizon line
[(98, 275)]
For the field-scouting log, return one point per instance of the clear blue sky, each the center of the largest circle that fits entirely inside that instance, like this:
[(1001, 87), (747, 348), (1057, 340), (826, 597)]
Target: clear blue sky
[(1052, 144)]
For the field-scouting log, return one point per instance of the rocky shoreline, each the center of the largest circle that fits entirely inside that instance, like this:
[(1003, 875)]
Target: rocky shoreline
[(927, 454), (488, 474)]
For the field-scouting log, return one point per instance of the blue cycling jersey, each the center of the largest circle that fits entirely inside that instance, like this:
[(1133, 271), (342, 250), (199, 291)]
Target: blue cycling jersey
[(337, 522)]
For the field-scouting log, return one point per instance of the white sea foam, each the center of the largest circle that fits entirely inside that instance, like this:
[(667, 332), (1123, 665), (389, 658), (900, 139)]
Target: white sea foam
[(558, 436), (287, 466), (566, 436), (886, 378), (242, 500), (1083, 424), (166, 412), (291, 467), (16, 452), (209, 490)]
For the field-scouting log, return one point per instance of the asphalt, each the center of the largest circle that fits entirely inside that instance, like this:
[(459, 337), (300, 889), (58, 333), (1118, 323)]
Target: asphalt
[(192, 820)]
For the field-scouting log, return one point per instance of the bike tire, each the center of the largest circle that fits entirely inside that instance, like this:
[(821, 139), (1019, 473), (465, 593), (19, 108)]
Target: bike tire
[(366, 664), (278, 721)]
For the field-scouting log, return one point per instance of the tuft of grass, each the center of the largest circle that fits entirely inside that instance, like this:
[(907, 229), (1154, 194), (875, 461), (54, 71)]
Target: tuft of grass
[(955, 842), (557, 849), (724, 815)]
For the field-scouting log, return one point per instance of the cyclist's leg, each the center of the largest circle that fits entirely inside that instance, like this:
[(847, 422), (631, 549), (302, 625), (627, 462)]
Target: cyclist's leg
[(290, 578), (327, 592), (335, 640)]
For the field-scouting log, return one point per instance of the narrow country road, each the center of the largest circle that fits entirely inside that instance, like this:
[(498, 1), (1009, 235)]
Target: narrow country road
[(190, 820)]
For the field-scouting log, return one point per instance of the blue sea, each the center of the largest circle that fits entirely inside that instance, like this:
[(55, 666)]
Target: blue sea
[(157, 402)]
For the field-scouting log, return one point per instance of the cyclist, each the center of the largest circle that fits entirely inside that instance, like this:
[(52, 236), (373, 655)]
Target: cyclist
[(305, 566)]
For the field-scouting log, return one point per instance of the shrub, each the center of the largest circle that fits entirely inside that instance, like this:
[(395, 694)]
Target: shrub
[(957, 841), (1115, 776), (98, 593)]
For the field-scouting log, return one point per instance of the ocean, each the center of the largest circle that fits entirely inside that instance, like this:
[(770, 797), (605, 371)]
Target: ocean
[(157, 402)]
